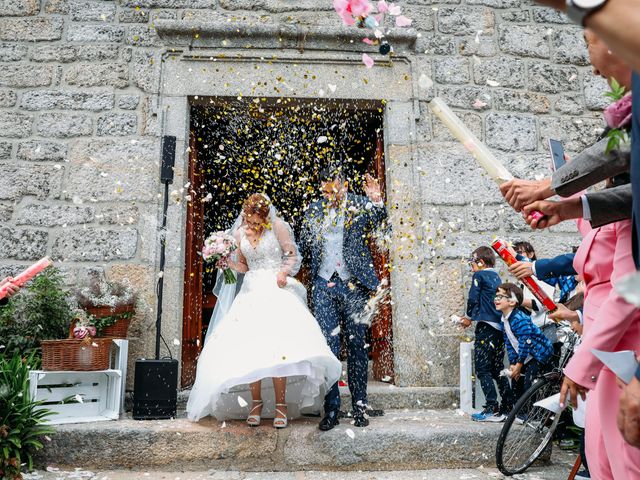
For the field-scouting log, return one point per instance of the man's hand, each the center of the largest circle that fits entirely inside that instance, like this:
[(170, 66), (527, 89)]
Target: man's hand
[(12, 289), (573, 389), (515, 371), (372, 189), (521, 270), (282, 279), (629, 413), (520, 192), (553, 212), (465, 322), (563, 313), (577, 327)]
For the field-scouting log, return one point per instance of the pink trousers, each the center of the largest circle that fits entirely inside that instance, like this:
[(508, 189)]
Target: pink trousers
[(608, 455)]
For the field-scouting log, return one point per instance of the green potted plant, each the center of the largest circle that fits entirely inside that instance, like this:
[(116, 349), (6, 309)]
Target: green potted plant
[(39, 312), (22, 427), (111, 305)]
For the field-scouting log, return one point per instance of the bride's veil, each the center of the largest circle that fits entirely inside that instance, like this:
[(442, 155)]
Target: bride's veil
[(226, 292)]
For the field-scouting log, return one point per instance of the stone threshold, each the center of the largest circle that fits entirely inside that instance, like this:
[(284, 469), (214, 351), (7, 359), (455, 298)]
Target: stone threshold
[(401, 440), (389, 397), (200, 34)]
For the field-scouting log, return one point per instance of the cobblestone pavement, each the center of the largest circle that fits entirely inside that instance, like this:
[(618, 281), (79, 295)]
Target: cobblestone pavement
[(558, 470)]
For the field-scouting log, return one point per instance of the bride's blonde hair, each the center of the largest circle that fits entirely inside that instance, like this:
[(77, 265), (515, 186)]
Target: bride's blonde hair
[(257, 204)]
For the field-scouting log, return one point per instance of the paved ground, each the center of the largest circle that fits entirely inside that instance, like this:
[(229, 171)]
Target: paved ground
[(559, 470)]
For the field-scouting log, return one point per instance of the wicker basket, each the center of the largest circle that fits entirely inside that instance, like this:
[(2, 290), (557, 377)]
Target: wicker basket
[(118, 329), (76, 355)]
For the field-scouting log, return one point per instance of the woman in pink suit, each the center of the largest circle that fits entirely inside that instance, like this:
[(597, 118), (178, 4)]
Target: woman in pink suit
[(610, 324)]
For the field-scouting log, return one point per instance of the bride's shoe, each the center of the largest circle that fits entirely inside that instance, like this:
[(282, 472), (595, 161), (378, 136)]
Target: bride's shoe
[(254, 420), (280, 422)]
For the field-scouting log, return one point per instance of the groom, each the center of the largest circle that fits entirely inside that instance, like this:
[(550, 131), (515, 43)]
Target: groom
[(334, 237)]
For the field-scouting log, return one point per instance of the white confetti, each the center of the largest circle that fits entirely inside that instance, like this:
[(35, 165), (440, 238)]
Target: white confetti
[(322, 139), (176, 342), (332, 87), (350, 433), (242, 402), (78, 398), (335, 331), (492, 83), (425, 82)]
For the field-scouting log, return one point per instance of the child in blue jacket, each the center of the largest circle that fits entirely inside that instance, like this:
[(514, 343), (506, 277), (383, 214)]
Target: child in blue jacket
[(528, 349), (489, 342)]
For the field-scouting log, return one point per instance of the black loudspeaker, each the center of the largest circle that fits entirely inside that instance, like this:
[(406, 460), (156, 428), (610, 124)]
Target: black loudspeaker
[(155, 389), (168, 158)]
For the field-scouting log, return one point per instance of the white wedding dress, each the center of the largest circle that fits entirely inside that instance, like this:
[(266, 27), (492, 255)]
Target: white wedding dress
[(268, 332)]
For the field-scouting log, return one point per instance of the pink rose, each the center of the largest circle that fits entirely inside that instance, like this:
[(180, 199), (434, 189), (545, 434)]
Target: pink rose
[(618, 114), (360, 8), (343, 10)]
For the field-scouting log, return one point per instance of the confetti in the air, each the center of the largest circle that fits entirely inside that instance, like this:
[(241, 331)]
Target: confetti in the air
[(367, 60)]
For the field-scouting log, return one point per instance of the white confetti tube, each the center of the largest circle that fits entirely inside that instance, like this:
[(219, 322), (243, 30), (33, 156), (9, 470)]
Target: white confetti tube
[(479, 150), (494, 167)]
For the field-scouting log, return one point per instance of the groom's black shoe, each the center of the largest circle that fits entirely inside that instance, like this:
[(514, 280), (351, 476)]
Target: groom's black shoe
[(359, 419), (329, 421)]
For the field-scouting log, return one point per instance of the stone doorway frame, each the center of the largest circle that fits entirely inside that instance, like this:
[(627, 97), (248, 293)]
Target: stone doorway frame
[(221, 67)]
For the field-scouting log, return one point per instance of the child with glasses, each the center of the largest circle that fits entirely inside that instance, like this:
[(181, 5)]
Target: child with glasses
[(489, 341), (528, 349)]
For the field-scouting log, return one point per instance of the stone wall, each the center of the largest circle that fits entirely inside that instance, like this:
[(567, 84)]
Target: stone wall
[(80, 137)]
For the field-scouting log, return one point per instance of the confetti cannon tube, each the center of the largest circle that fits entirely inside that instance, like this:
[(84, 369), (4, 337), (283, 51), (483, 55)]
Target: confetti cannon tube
[(501, 248), (27, 275), (479, 150)]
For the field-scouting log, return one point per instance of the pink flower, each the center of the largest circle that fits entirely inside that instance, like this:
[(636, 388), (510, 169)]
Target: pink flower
[(343, 11), (360, 8), (618, 114)]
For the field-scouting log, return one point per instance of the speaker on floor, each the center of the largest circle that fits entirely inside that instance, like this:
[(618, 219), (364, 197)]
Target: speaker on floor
[(155, 389)]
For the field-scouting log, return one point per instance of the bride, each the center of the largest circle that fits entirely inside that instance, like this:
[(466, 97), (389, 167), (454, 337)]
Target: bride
[(266, 332)]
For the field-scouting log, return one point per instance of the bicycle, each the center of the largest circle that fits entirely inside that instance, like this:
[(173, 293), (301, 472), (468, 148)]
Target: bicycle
[(528, 430)]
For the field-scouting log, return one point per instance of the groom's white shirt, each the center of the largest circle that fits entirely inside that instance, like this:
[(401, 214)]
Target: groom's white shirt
[(332, 254)]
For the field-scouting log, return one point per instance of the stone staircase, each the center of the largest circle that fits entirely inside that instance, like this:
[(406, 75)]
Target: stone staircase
[(421, 429), (401, 440)]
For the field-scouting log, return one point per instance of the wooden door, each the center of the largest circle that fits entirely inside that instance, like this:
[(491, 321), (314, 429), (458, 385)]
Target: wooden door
[(381, 326), (192, 311)]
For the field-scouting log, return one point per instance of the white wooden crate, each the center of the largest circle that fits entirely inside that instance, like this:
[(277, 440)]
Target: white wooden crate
[(100, 392)]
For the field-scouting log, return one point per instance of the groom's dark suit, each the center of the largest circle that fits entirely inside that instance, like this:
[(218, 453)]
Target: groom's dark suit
[(342, 297)]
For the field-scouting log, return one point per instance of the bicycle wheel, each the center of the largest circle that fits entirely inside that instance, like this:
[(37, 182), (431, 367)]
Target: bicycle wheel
[(528, 429)]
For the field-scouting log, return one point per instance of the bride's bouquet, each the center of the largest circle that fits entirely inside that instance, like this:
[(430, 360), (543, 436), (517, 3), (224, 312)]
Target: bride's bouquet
[(218, 247)]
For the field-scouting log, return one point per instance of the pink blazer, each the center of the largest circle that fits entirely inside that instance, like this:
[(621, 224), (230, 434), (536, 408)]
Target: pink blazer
[(604, 257)]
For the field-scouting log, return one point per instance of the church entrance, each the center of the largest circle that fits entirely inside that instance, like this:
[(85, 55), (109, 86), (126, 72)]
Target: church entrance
[(243, 145)]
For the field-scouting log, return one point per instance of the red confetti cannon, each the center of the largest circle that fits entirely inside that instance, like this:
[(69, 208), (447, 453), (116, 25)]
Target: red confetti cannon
[(501, 248), (27, 275)]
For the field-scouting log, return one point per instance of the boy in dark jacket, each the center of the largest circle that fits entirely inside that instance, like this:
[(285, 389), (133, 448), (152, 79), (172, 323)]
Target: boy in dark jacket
[(489, 340), (528, 349)]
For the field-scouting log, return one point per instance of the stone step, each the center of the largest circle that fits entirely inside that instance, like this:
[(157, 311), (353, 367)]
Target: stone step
[(401, 440), (389, 397)]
